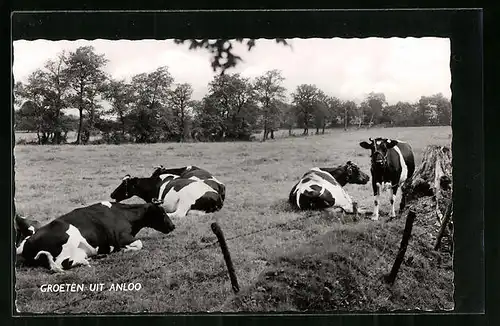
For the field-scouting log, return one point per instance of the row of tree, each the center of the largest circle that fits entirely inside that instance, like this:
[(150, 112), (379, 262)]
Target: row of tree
[(151, 107)]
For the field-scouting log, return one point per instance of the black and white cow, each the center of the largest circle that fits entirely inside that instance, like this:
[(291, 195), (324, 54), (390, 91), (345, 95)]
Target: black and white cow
[(100, 228), (193, 173), (24, 227), (321, 188), (178, 196), (392, 162)]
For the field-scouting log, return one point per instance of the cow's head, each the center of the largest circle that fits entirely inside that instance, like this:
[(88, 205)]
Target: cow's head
[(158, 170), (355, 175), (378, 147), (24, 228), (126, 189), (157, 218)]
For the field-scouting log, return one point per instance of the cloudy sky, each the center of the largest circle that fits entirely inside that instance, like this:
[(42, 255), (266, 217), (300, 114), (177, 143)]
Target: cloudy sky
[(402, 68)]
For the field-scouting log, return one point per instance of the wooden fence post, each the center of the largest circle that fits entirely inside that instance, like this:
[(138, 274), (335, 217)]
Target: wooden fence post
[(446, 220), (227, 257), (402, 249)]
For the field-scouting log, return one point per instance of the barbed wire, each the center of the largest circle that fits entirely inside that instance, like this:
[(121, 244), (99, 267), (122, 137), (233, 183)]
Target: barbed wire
[(191, 253)]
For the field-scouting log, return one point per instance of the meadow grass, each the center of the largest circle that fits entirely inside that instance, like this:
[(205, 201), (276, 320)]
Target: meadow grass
[(53, 180)]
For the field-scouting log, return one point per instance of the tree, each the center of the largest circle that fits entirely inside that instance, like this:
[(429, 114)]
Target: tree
[(289, 116), (57, 85), (120, 94), (86, 78), (232, 98), (308, 103), (180, 100), (269, 92), (372, 108), (326, 110), (349, 109), (208, 124), (35, 99), (335, 110), (223, 57), (150, 119), (443, 109)]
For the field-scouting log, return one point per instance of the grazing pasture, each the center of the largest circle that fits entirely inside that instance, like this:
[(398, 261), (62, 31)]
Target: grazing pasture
[(174, 274)]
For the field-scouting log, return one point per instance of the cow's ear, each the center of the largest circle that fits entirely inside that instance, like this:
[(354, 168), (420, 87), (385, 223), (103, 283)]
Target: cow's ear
[(365, 145), (390, 143)]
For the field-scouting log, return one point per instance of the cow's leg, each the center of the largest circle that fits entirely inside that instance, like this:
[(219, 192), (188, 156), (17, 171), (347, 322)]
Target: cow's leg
[(376, 199), (183, 207), (128, 243), (180, 212), (392, 193), (54, 267), (133, 246), (78, 258)]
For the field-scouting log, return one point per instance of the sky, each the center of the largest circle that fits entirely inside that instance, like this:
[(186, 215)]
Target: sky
[(402, 68)]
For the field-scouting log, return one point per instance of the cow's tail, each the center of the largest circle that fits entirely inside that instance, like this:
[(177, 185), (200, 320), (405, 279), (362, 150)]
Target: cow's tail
[(52, 264)]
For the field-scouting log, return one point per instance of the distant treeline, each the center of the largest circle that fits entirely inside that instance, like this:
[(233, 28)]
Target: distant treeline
[(153, 108)]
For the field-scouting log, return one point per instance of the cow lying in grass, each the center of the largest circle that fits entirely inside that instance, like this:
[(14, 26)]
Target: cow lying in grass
[(193, 173), (178, 196), (100, 228), (321, 188)]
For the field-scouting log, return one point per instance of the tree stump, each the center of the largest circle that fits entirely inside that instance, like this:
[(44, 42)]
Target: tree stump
[(433, 177)]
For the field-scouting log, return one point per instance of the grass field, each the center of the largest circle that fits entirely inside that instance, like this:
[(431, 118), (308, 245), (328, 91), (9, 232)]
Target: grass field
[(52, 180)]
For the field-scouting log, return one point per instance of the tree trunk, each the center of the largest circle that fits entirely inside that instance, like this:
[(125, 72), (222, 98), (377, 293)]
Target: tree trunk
[(182, 124), (122, 120), (264, 137), (345, 119), (433, 177), (80, 125)]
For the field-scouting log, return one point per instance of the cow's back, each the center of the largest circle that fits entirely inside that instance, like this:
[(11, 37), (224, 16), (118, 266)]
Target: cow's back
[(402, 160), (316, 189), (408, 156), (100, 224)]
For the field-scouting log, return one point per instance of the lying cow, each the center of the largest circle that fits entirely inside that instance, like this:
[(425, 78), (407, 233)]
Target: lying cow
[(100, 228), (193, 173), (392, 162), (321, 188), (179, 196), (24, 227)]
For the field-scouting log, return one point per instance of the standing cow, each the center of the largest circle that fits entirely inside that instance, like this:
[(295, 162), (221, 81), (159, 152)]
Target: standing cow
[(178, 196), (321, 188), (193, 173), (392, 162), (100, 228)]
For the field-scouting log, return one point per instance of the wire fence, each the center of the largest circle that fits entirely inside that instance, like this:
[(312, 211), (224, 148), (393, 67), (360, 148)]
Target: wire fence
[(172, 261)]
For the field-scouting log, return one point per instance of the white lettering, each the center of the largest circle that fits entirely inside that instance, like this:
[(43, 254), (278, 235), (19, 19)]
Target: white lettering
[(61, 288), (125, 287)]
